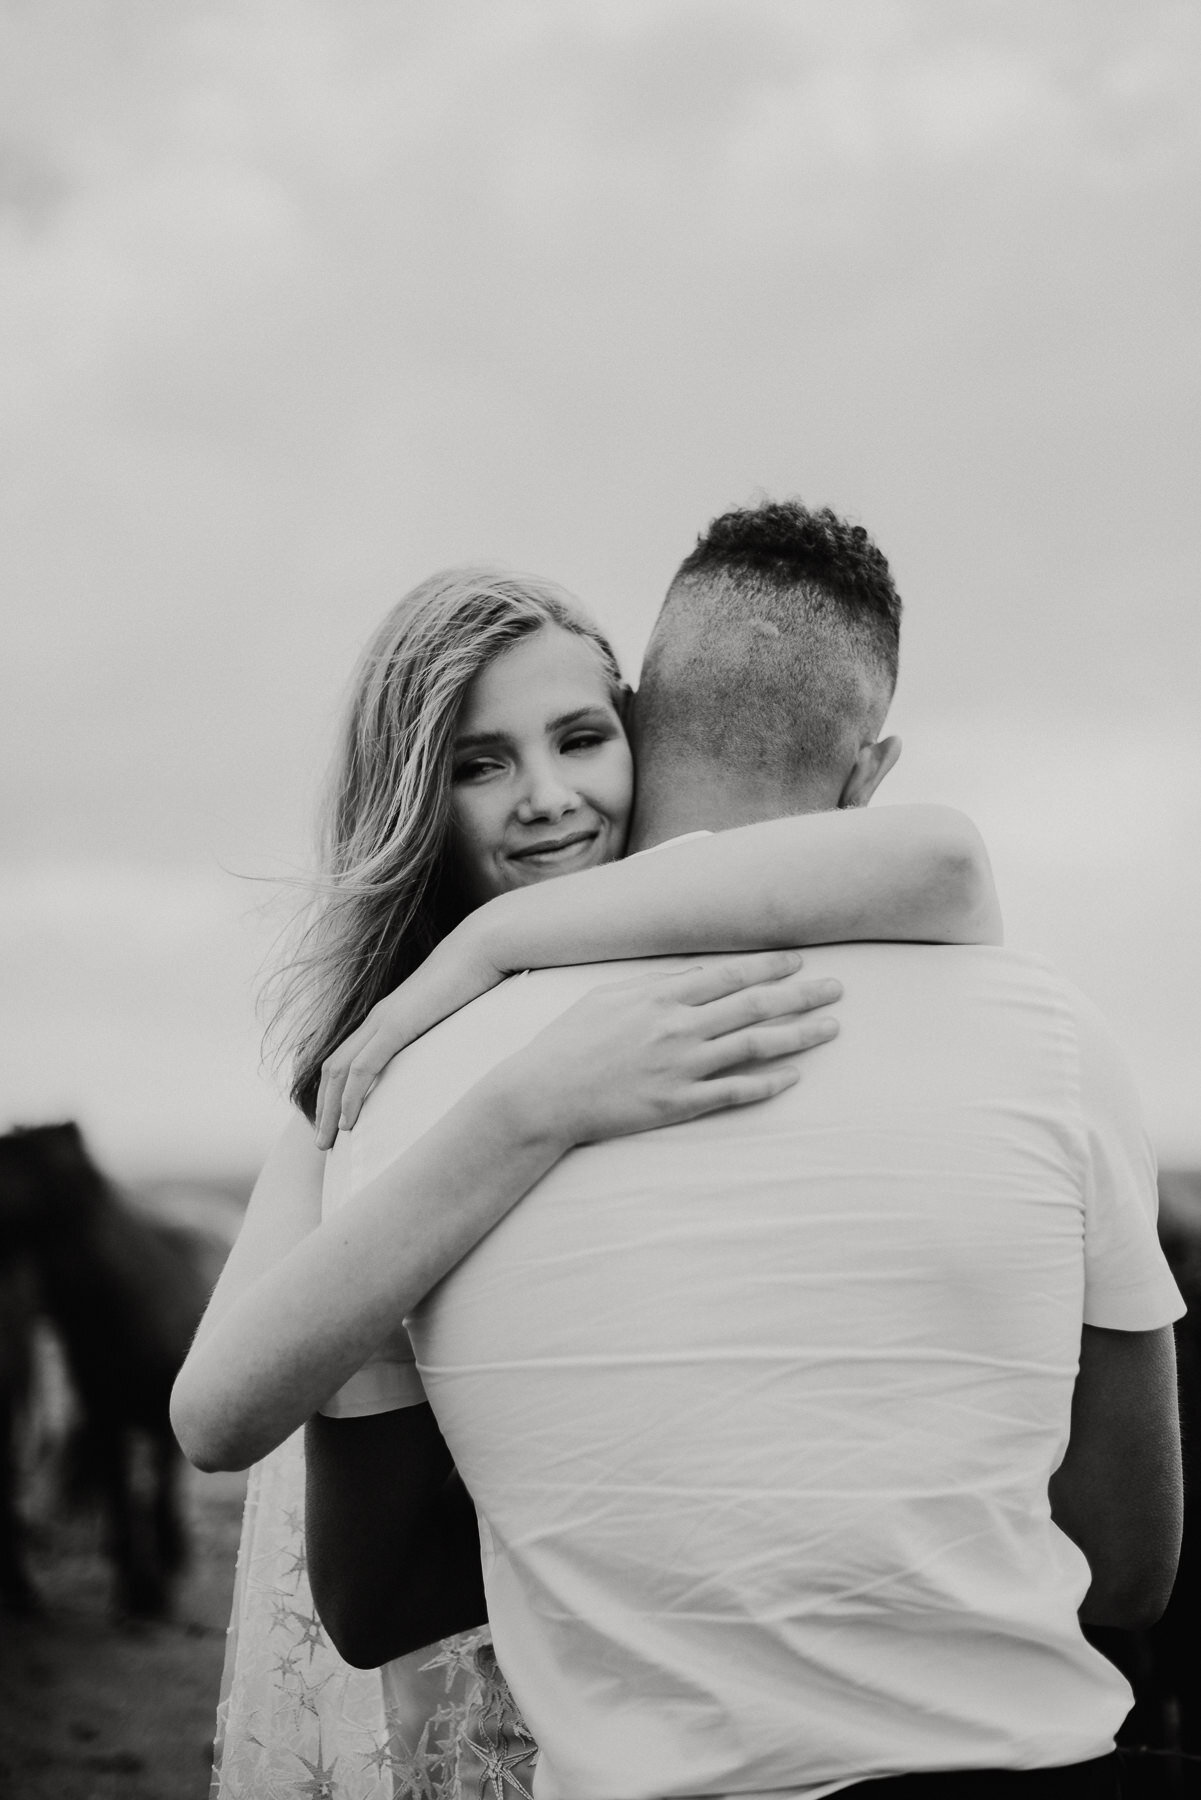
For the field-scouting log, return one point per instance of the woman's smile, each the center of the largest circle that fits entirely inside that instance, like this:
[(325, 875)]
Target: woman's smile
[(556, 853)]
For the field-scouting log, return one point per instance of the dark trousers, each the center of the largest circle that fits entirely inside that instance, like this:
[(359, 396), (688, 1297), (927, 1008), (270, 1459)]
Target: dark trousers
[(1094, 1780)]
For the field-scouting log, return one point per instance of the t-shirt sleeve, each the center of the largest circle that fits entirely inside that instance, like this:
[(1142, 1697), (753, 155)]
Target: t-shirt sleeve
[(1128, 1285), (387, 1382)]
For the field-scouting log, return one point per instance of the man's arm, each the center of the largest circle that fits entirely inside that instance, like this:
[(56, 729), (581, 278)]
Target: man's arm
[(1118, 1492), (393, 1544)]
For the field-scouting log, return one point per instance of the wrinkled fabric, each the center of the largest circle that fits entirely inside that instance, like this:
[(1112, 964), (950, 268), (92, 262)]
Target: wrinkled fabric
[(759, 1412)]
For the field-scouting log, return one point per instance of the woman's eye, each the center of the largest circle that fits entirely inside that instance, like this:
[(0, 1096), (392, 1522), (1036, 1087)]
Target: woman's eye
[(475, 770), (582, 740)]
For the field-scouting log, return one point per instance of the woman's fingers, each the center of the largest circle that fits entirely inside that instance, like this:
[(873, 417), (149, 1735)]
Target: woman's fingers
[(699, 986), (743, 1090), (763, 1043), (329, 1102), (767, 1000), (360, 1078), (331, 1090), (636, 1056), (325, 1115)]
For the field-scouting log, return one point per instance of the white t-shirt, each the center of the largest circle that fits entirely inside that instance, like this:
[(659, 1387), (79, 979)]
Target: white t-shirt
[(759, 1412)]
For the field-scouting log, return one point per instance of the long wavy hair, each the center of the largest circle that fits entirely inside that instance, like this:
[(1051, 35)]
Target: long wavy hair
[(384, 894)]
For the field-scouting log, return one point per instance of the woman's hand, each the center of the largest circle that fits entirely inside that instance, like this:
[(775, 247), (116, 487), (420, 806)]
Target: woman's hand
[(458, 970), (656, 1050)]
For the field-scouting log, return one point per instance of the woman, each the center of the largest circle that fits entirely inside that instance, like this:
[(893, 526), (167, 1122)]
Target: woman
[(429, 818)]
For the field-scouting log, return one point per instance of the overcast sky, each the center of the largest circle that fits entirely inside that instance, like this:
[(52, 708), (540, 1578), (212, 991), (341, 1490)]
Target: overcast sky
[(303, 300)]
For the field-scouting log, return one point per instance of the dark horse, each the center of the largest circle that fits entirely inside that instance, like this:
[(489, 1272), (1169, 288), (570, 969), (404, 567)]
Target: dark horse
[(123, 1291), (18, 1321)]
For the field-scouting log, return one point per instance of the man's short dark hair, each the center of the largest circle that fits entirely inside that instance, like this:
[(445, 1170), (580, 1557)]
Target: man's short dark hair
[(777, 643), (783, 544)]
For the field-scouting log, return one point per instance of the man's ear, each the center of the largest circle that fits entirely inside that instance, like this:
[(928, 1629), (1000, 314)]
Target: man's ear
[(870, 767)]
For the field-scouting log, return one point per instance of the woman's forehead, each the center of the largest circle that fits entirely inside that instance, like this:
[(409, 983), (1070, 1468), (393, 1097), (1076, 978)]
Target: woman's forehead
[(534, 681)]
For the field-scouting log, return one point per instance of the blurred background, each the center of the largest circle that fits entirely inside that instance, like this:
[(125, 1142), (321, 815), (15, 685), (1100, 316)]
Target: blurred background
[(302, 301)]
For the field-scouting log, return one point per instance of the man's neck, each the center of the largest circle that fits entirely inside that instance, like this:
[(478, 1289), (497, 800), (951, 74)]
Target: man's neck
[(715, 802)]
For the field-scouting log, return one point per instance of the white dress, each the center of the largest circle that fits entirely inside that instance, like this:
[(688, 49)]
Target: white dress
[(296, 1722)]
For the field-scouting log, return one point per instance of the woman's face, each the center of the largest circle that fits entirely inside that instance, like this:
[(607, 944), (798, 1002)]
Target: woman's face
[(541, 778)]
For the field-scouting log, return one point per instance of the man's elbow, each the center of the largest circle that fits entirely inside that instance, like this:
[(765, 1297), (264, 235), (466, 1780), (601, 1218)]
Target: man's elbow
[(373, 1621), (1129, 1604), (367, 1647), (356, 1643), (365, 1634), (1132, 1556)]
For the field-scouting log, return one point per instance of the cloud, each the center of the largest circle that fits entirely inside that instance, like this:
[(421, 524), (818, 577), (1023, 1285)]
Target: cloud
[(1095, 840), (305, 300)]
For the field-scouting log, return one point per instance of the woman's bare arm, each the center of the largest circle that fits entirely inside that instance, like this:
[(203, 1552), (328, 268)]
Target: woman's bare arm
[(284, 1207), (408, 1571), (294, 1322), (288, 1340), (906, 873)]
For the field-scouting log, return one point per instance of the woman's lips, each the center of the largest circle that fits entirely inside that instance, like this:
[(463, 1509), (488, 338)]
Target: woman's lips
[(556, 850)]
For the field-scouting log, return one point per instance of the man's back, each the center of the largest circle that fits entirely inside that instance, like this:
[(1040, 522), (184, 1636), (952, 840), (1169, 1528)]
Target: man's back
[(759, 1412)]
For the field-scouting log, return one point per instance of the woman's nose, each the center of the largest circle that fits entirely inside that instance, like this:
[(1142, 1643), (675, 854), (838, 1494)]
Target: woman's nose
[(546, 796)]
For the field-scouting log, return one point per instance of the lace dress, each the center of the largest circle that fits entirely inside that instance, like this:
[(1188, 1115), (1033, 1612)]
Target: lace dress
[(295, 1722)]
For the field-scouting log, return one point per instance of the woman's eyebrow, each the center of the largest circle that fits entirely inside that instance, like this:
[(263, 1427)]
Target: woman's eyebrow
[(478, 740), (573, 718)]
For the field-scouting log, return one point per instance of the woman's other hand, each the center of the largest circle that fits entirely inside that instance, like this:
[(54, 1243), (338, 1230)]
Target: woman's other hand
[(656, 1050), (458, 970)]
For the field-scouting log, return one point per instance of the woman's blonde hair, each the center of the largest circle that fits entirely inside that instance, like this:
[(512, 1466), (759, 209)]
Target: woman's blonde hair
[(383, 896)]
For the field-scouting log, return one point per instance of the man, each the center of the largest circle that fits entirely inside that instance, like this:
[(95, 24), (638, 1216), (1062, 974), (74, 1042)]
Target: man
[(760, 1414)]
